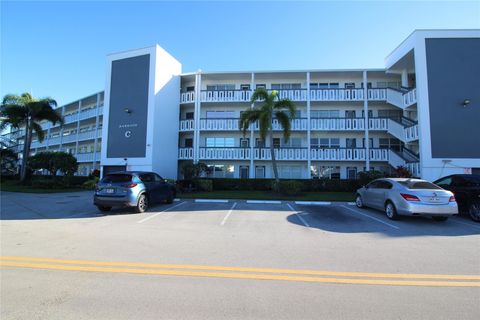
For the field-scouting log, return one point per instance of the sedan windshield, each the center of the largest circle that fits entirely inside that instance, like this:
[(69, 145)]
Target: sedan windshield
[(115, 178)]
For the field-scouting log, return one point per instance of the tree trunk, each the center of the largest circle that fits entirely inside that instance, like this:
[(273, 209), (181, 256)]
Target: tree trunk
[(26, 152), (274, 161)]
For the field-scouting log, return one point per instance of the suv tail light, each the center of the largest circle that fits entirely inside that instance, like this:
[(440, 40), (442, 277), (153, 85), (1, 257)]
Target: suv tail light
[(452, 199), (409, 197), (131, 185)]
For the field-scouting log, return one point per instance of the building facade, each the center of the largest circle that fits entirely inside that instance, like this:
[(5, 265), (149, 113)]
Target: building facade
[(421, 112)]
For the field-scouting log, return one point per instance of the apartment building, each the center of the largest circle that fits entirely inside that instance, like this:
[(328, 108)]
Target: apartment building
[(422, 112)]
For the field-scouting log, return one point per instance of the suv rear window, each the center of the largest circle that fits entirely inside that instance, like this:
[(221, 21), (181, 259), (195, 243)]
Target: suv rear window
[(419, 185), (115, 178)]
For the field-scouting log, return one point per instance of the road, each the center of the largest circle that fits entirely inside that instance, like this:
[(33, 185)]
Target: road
[(61, 259)]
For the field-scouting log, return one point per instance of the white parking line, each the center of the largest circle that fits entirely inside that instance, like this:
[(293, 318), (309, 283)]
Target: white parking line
[(210, 201), (156, 214), (368, 216), (265, 201), (466, 223), (314, 203), (299, 216), (228, 214)]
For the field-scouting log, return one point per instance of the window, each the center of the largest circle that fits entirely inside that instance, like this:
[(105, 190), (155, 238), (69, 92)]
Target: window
[(390, 143), (325, 142), (244, 142), (370, 145), (393, 114), (244, 172), (333, 85), (285, 86), (325, 114), (259, 143), (260, 172), (418, 185), (292, 143), (349, 113), (370, 114), (190, 88), (445, 182), (349, 85), (261, 85), (189, 115), (245, 87), (188, 143), (220, 114), (147, 177), (324, 85), (352, 173), (330, 172), (351, 142), (220, 87), (220, 142), (276, 143), (369, 85), (221, 171), (290, 172)]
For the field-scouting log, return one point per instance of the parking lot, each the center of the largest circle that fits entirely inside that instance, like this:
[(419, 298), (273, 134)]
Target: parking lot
[(233, 259)]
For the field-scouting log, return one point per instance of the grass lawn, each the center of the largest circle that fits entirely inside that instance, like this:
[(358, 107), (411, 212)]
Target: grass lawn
[(15, 186), (266, 195)]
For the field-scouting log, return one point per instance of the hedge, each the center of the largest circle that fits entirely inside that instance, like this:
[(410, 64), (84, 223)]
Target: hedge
[(230, 184)]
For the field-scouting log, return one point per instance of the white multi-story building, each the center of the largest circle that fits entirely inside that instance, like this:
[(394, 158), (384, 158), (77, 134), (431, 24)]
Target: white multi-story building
[(422, 112)]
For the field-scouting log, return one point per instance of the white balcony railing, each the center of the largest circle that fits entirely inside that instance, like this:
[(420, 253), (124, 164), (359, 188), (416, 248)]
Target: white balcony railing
[(87, 157), (401, 99), (339, 94), (186, 125), (219, 124), (334, 124), (411, 133), (187, 97), (414, 168), (286, 154), (225, 95), (377, 123)]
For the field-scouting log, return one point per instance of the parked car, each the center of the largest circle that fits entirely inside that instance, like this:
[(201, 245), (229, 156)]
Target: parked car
[(405, 196), (134, 189), (466, 188)]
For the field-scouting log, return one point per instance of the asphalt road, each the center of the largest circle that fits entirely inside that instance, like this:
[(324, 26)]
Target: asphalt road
[(61, 259)]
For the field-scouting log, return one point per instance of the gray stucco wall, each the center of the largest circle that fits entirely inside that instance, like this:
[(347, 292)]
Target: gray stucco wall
[(453, 68), (127, 132)]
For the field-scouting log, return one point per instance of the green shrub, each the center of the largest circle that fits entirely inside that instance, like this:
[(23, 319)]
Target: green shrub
[(90, 183), (365, 177), (49, 183), (242, 184), (203, 184), (288, 187)]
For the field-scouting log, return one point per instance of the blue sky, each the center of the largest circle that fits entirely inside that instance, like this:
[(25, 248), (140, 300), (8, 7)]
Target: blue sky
[(58, 48)]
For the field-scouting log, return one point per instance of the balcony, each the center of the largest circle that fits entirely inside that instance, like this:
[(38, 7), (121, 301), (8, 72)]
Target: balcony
[(285, 154), (340, 94), (405, 129), (298, 124), (88, 157), (402, 98)]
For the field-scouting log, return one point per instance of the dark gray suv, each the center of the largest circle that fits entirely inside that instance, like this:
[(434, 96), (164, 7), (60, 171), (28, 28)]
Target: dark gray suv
[(134, 189)]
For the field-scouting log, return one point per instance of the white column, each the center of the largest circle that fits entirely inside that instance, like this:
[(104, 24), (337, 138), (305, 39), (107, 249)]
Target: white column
[(252, 168), (61, 132), (404, 78), (365, 111), (309, 158), (47, 139), (78, 125), (95, 142), (196, 120)]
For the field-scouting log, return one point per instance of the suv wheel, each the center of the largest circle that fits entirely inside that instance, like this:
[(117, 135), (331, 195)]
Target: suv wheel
[(474, 211), (142, 204), (390, 211), (104, 209), (169, 197)]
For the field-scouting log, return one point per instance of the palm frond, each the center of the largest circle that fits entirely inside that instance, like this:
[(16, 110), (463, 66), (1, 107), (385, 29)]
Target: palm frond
[(247, 118), (38, 131), (262, 95), (264, 122), (284, 120), (286, 104)]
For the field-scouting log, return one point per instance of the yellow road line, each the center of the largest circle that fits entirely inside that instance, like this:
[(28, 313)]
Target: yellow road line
[(244, 269), (242, 275)]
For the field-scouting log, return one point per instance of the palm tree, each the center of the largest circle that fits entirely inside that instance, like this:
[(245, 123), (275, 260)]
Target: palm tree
[(26, 112), (282, 109)]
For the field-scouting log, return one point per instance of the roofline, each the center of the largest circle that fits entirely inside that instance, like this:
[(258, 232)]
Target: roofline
[(285, 71), (90, 95), (425, 30)]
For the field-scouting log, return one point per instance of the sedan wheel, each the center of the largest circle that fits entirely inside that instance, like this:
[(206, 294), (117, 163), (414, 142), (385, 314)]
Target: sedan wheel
[(474, 211), (359, 201), (390, 211), (142, 204)]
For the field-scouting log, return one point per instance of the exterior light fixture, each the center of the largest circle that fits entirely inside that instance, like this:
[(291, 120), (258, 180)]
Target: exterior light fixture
[(127, 110), (466, 102)]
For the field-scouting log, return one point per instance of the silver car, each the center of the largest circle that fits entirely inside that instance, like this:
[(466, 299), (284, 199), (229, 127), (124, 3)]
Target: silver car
[(405, 196)]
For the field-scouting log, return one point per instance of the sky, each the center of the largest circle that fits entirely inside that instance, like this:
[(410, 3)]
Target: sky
[(58, 49)]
